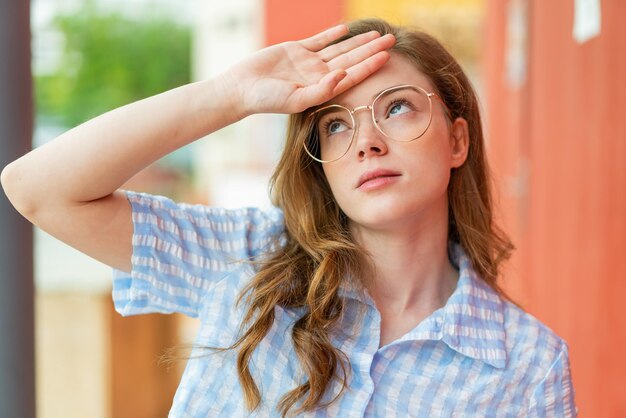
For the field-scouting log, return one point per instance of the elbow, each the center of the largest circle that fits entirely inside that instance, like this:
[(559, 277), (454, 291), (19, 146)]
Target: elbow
[(6, 180), (10, 181)]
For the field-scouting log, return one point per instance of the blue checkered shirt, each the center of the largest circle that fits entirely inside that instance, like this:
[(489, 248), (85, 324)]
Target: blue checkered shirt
[(477, 356)]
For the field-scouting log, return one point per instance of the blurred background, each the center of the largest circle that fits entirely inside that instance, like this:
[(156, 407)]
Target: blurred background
[(551, 79)]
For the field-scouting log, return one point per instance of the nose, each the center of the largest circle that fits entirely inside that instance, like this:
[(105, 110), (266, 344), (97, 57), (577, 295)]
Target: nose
[(368, 140)]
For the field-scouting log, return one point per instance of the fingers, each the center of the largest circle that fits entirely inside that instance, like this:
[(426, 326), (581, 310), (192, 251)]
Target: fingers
[(333, 51), (361, 71), (319, 41), (362, 53), (325, 89)]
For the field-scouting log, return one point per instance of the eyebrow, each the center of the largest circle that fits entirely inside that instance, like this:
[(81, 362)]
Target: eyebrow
[(330, 102)]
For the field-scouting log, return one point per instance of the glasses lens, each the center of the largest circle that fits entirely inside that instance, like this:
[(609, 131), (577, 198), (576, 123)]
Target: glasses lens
[(331, 132), (403, 114)]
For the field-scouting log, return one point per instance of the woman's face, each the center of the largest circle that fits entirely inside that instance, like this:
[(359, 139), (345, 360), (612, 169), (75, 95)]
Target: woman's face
[(381, 183)]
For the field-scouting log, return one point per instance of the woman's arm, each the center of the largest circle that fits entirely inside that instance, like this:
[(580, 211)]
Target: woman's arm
[(94, 159), (68, 187)]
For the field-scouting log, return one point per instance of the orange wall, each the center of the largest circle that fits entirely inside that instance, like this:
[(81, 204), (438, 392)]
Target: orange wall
[(558, 145), (293, 20)]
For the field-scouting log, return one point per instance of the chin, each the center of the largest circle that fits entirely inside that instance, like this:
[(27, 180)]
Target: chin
[(379, 218), (395, 214)]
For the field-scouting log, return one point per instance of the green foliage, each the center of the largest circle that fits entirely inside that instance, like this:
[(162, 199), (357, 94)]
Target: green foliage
[(110, 60)]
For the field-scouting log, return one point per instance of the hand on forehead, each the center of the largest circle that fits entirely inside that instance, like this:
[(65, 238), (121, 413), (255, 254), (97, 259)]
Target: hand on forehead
[(399, 70)]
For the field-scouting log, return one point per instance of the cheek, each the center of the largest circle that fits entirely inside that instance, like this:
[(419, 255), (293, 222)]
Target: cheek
[(428, 175), (431, 149), (428, 165)]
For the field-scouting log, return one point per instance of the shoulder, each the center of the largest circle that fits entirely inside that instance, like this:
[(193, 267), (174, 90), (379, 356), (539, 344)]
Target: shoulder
[(529, 342), (521, 340), (541, 357)]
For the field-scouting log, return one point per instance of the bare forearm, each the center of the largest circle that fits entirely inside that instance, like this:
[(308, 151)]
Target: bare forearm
[(97, 157)]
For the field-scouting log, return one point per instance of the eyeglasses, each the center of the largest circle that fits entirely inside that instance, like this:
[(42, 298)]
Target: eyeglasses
[(401, 113)]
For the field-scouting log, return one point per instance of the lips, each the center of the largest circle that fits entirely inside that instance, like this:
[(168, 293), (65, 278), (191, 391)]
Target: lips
[(375, 174)]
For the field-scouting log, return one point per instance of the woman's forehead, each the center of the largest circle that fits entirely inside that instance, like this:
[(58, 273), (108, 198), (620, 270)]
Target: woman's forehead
[(398, 70)]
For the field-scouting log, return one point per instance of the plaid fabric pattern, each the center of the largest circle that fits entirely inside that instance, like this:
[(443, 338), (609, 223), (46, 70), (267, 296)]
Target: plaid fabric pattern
[(477, 356)]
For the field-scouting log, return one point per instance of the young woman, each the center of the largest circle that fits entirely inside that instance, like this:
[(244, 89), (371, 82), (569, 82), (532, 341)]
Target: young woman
[(370, 290)]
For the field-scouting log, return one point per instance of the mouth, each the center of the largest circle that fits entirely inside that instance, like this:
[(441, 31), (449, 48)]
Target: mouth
[(374, 177)]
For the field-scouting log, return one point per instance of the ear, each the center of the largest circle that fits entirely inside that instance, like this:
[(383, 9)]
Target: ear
[(459, 142)]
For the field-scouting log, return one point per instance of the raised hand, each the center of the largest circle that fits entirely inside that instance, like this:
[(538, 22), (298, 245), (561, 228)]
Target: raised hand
[(293, 76)]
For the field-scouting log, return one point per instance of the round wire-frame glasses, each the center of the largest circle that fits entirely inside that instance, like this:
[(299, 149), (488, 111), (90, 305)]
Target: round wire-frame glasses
[(313, 133)]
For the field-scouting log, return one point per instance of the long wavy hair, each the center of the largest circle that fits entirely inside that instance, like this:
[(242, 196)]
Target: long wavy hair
[(319, 253)]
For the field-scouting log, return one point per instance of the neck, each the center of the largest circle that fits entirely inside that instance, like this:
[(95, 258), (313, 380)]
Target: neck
[(409, 266)]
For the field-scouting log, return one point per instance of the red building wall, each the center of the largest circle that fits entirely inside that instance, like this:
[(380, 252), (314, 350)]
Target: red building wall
[(558, 145), (293, 20)]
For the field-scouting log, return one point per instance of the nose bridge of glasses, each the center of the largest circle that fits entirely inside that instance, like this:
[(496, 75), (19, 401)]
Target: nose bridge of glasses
[(356, 109), (359, 108), (367, 129)]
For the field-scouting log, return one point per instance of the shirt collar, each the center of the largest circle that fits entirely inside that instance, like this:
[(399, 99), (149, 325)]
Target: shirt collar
[(473, 316), (471, 322)]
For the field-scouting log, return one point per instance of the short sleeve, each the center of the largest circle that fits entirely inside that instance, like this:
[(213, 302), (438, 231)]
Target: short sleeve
[(554, 395), (181, 252)]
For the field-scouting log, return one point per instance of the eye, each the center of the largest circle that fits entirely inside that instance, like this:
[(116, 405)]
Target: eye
[(399, 107), (334, 126)]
